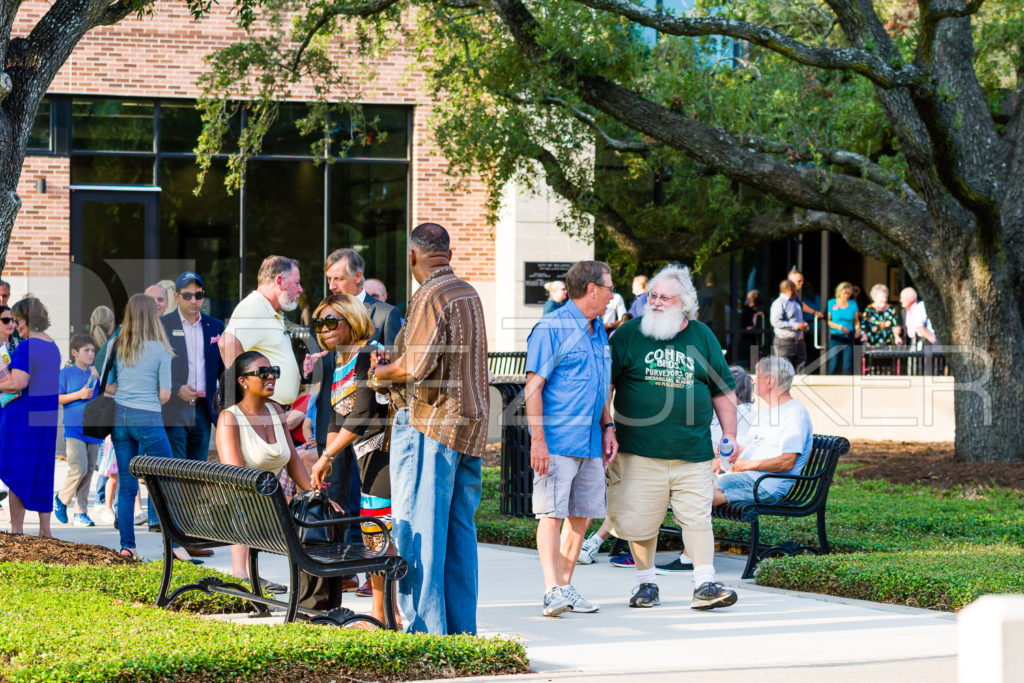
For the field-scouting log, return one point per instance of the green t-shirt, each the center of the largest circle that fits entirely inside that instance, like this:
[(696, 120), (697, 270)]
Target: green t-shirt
[(663, 391)]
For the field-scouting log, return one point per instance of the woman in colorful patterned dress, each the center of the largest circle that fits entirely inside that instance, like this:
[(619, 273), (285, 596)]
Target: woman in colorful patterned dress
[(880, 324), (342, 323)]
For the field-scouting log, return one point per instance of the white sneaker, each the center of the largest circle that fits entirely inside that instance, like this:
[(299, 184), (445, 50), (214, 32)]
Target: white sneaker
[(105, 516), (141, 517), (556, 602), (579, 603), (588, 553)]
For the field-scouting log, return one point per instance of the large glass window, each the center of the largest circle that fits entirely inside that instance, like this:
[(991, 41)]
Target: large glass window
[(105, 124), (181, 123), (111, 170), (200, 233), (386, 135), (39, 137), (369, 214), (284, 202), (289, 204)]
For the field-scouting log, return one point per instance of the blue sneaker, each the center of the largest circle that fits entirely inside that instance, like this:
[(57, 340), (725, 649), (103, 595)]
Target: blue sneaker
[(82, 519), (60, 510), (624, 560)]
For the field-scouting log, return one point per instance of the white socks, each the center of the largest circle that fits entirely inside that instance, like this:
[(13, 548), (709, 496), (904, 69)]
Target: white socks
[(685, 559), (703, 574), (645, 575)]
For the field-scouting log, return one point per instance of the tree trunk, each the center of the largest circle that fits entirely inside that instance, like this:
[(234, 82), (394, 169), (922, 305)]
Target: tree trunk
[(10, 204), (980, 325)]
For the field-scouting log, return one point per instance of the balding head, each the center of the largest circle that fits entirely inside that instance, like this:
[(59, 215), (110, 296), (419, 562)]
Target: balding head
[(908, 297), (159, 295)]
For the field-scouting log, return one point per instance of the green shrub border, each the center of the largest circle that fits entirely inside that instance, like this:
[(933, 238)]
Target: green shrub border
[(85, 623)]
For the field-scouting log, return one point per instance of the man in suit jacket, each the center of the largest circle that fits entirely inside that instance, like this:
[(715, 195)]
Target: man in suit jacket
[(195, 370), (344, 269)]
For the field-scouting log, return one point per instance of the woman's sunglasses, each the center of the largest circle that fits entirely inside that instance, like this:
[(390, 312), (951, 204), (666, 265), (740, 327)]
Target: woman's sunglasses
[(264, 372), (187, 296), (319, 324)]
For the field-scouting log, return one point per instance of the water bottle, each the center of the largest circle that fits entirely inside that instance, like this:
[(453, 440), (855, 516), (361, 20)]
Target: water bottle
[(725, 450)]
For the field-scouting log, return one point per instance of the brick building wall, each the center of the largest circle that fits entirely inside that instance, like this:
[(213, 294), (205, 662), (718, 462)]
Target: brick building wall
[(162, 57)]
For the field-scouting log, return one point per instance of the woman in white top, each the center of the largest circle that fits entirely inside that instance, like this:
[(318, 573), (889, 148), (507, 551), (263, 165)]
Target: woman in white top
[(251, 433)]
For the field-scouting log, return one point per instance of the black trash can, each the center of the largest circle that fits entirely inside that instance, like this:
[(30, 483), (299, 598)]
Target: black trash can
[(516, 474)]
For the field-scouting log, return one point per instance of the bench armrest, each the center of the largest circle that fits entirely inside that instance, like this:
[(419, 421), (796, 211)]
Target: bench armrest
[(773, 475), (347, 521)]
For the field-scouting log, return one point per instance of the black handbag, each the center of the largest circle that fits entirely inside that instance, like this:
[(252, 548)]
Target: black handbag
[(98, 415), (313, 505)]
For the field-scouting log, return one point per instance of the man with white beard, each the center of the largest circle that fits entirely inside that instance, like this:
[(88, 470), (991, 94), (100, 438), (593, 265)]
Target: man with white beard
[(257, 324), (668, 375)]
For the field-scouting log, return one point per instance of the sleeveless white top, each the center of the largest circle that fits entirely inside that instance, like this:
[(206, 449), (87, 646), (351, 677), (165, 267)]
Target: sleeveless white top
[(257, 453)]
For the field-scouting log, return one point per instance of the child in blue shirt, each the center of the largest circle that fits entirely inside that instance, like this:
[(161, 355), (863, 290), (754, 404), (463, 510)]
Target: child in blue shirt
[(77, 386)]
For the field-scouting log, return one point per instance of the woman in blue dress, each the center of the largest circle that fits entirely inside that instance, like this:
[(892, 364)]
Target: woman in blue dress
[(29, 422)]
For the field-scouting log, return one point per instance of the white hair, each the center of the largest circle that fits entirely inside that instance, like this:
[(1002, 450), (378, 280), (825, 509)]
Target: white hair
[(681, 278), (778, 367)]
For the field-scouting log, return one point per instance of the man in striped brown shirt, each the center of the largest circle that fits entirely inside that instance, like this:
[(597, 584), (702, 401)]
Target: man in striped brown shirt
[(440, 397)]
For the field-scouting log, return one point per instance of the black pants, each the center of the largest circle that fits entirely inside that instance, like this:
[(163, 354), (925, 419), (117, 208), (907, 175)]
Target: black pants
[(792, 350)]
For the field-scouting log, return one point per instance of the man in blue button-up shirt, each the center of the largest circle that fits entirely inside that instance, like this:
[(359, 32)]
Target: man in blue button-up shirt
[(572, 437)]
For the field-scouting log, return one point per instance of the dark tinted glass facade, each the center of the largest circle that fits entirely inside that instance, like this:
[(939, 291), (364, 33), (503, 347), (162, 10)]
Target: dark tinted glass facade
[(133, 170)]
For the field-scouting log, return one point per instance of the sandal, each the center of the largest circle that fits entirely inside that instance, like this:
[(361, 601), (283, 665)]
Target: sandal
[(182, 555), (129, 552)]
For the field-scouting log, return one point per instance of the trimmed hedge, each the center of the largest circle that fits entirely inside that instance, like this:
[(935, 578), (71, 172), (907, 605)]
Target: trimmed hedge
[(945, 580), (867, 516), (88, 624), (136, 582), (878, 516)]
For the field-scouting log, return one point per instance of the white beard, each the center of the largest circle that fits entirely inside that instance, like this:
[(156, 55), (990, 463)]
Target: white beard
[(287, 303), (661, 326)]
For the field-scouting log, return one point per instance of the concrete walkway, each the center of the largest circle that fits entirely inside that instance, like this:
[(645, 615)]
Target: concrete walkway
[(769, 635)]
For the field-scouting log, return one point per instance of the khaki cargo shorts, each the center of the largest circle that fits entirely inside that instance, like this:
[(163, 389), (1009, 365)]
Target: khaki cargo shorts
[(641, 489)]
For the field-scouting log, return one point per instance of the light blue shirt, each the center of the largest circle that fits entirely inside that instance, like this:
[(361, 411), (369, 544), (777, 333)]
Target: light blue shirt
[(576, 366), (138, 385)]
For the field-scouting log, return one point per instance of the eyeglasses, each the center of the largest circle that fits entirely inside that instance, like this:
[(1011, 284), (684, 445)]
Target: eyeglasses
[(661, 297), (188, 296), (6, 321), (264, 372), (318, 324), (610, 288)]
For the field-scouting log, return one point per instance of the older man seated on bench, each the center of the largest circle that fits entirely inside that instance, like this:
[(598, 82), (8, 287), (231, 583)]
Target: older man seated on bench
[(779, 441)]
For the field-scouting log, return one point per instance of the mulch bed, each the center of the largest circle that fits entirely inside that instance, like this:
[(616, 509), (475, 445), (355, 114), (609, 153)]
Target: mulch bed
[(929, 463), (54, 551)]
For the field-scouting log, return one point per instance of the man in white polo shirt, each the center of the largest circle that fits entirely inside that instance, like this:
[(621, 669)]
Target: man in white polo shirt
[(257, 324)]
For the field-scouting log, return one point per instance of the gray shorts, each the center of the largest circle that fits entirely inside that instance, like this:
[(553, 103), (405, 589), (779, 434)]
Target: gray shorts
[(573, 487)]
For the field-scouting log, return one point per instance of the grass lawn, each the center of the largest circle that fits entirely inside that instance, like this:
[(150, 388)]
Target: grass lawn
[(906, 544), (97, 623)]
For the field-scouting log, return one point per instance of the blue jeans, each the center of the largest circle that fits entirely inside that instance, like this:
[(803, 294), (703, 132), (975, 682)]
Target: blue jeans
[(840, 357), (135, 432), (738, 487), (435, 491), (191, 442)]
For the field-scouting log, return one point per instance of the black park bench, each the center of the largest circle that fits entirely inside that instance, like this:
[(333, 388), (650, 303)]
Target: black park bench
[(207, 505), (807, 496)]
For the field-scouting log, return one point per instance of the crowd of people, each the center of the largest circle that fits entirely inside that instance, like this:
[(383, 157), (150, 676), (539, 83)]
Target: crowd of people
[(389, 415), (631, 411)]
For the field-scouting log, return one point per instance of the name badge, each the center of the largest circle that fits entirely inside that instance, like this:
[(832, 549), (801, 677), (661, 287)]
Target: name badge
[(178, 333)]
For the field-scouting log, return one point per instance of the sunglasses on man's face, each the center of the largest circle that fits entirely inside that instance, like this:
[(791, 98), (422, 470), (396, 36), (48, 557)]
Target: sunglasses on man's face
[(187, 296), (319, 324), (6, 321), (264, 372)]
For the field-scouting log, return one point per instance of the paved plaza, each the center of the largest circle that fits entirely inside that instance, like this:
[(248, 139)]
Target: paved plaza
[(769, 635)]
